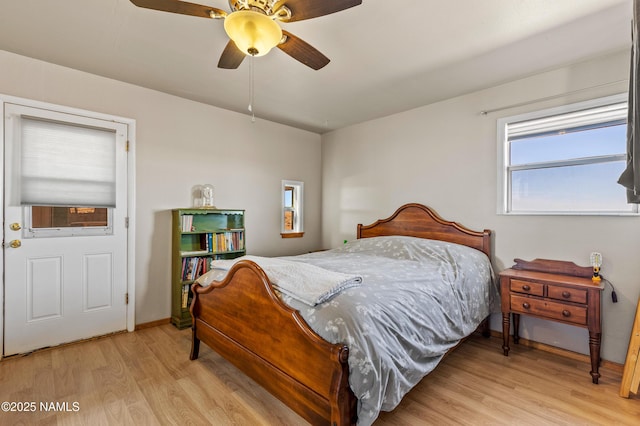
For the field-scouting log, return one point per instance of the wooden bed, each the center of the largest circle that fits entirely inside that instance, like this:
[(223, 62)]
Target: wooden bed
[(246, 322)]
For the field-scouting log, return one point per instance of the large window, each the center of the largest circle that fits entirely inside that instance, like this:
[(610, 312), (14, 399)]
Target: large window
[(292, 202), (565, 160)]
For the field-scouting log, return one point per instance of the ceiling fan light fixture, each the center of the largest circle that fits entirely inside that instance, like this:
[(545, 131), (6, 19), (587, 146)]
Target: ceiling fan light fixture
[(254, 33)]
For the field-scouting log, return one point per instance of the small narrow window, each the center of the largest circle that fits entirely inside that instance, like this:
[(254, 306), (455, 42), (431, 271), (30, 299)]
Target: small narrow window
[(289, 212), (292, 202)]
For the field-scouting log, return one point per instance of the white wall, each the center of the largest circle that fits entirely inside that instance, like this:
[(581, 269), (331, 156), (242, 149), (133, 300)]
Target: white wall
[(179, 144), (444, 155)]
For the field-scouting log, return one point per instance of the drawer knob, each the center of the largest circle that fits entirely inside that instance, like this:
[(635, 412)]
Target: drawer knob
[(526, 305), (566, 294), (566, 313), (526, 287)]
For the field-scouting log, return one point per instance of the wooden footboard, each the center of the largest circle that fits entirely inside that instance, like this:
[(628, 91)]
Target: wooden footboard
[(244, 321)]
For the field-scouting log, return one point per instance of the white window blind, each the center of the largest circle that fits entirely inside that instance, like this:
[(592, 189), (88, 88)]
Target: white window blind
[(573, 121), (66, 165)]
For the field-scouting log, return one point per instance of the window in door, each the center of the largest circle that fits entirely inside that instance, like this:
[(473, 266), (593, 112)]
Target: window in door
[(68, 217)]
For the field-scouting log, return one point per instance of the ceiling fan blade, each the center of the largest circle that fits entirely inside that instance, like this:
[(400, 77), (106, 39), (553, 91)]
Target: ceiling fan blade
[(307, 9), (231, 57), (302, 51), (182, 7)]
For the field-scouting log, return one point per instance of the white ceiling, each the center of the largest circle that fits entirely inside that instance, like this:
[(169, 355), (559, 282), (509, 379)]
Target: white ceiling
[(386, 56)]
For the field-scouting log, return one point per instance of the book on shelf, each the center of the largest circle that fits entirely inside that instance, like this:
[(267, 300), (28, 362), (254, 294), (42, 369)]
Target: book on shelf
[(229, 241), (194, 252), (211, 242), (193, 267), (206, 242), (186, 222), (185, 296)]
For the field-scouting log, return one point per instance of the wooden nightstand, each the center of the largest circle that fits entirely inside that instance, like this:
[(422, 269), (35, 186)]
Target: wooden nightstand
[(553, 290)]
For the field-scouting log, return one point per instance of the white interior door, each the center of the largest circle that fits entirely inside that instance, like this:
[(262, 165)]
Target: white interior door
[(65, 262)]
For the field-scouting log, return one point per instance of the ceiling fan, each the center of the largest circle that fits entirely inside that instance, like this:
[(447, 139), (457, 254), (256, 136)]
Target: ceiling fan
[(252, 28)]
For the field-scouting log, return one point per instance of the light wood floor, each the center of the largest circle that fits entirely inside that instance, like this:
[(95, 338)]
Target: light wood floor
[(146, 378)]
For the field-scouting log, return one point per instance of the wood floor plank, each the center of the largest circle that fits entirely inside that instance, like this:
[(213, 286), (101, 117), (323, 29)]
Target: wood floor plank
[(142, 414), (146, 378)]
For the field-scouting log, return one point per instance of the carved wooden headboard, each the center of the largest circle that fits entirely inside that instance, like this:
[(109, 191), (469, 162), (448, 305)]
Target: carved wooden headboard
[(417, 220)]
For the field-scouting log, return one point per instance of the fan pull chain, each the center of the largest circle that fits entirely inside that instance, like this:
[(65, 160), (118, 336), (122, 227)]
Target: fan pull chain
[(251, 82)]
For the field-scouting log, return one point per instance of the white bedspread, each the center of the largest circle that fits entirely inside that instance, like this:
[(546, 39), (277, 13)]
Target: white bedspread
[(305, 282)]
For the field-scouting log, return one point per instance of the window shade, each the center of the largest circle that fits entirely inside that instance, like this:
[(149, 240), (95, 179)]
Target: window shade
[(615, 113), (66, 165)]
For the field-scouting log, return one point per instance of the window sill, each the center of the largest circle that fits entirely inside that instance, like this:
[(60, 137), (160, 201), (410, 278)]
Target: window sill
[(291, 234)]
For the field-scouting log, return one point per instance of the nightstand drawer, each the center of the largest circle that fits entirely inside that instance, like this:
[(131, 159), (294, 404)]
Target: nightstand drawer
[(568, 294), (552, 310), (527, 287)]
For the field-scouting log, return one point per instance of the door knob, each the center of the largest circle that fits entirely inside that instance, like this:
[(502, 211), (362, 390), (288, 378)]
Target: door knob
[(15, 243), (15, 227)]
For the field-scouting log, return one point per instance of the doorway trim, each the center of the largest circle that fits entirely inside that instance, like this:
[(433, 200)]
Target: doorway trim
[(131, 207)]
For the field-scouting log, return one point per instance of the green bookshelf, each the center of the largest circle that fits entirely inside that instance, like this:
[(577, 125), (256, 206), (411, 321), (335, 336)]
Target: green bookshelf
[(198, 237)]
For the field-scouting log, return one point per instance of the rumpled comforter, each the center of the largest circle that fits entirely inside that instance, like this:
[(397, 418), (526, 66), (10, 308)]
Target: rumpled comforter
[(418, 298)]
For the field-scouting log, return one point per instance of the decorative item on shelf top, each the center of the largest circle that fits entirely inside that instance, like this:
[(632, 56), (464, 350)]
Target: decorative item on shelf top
[(202, 196), (207, 196), (196, 196)]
